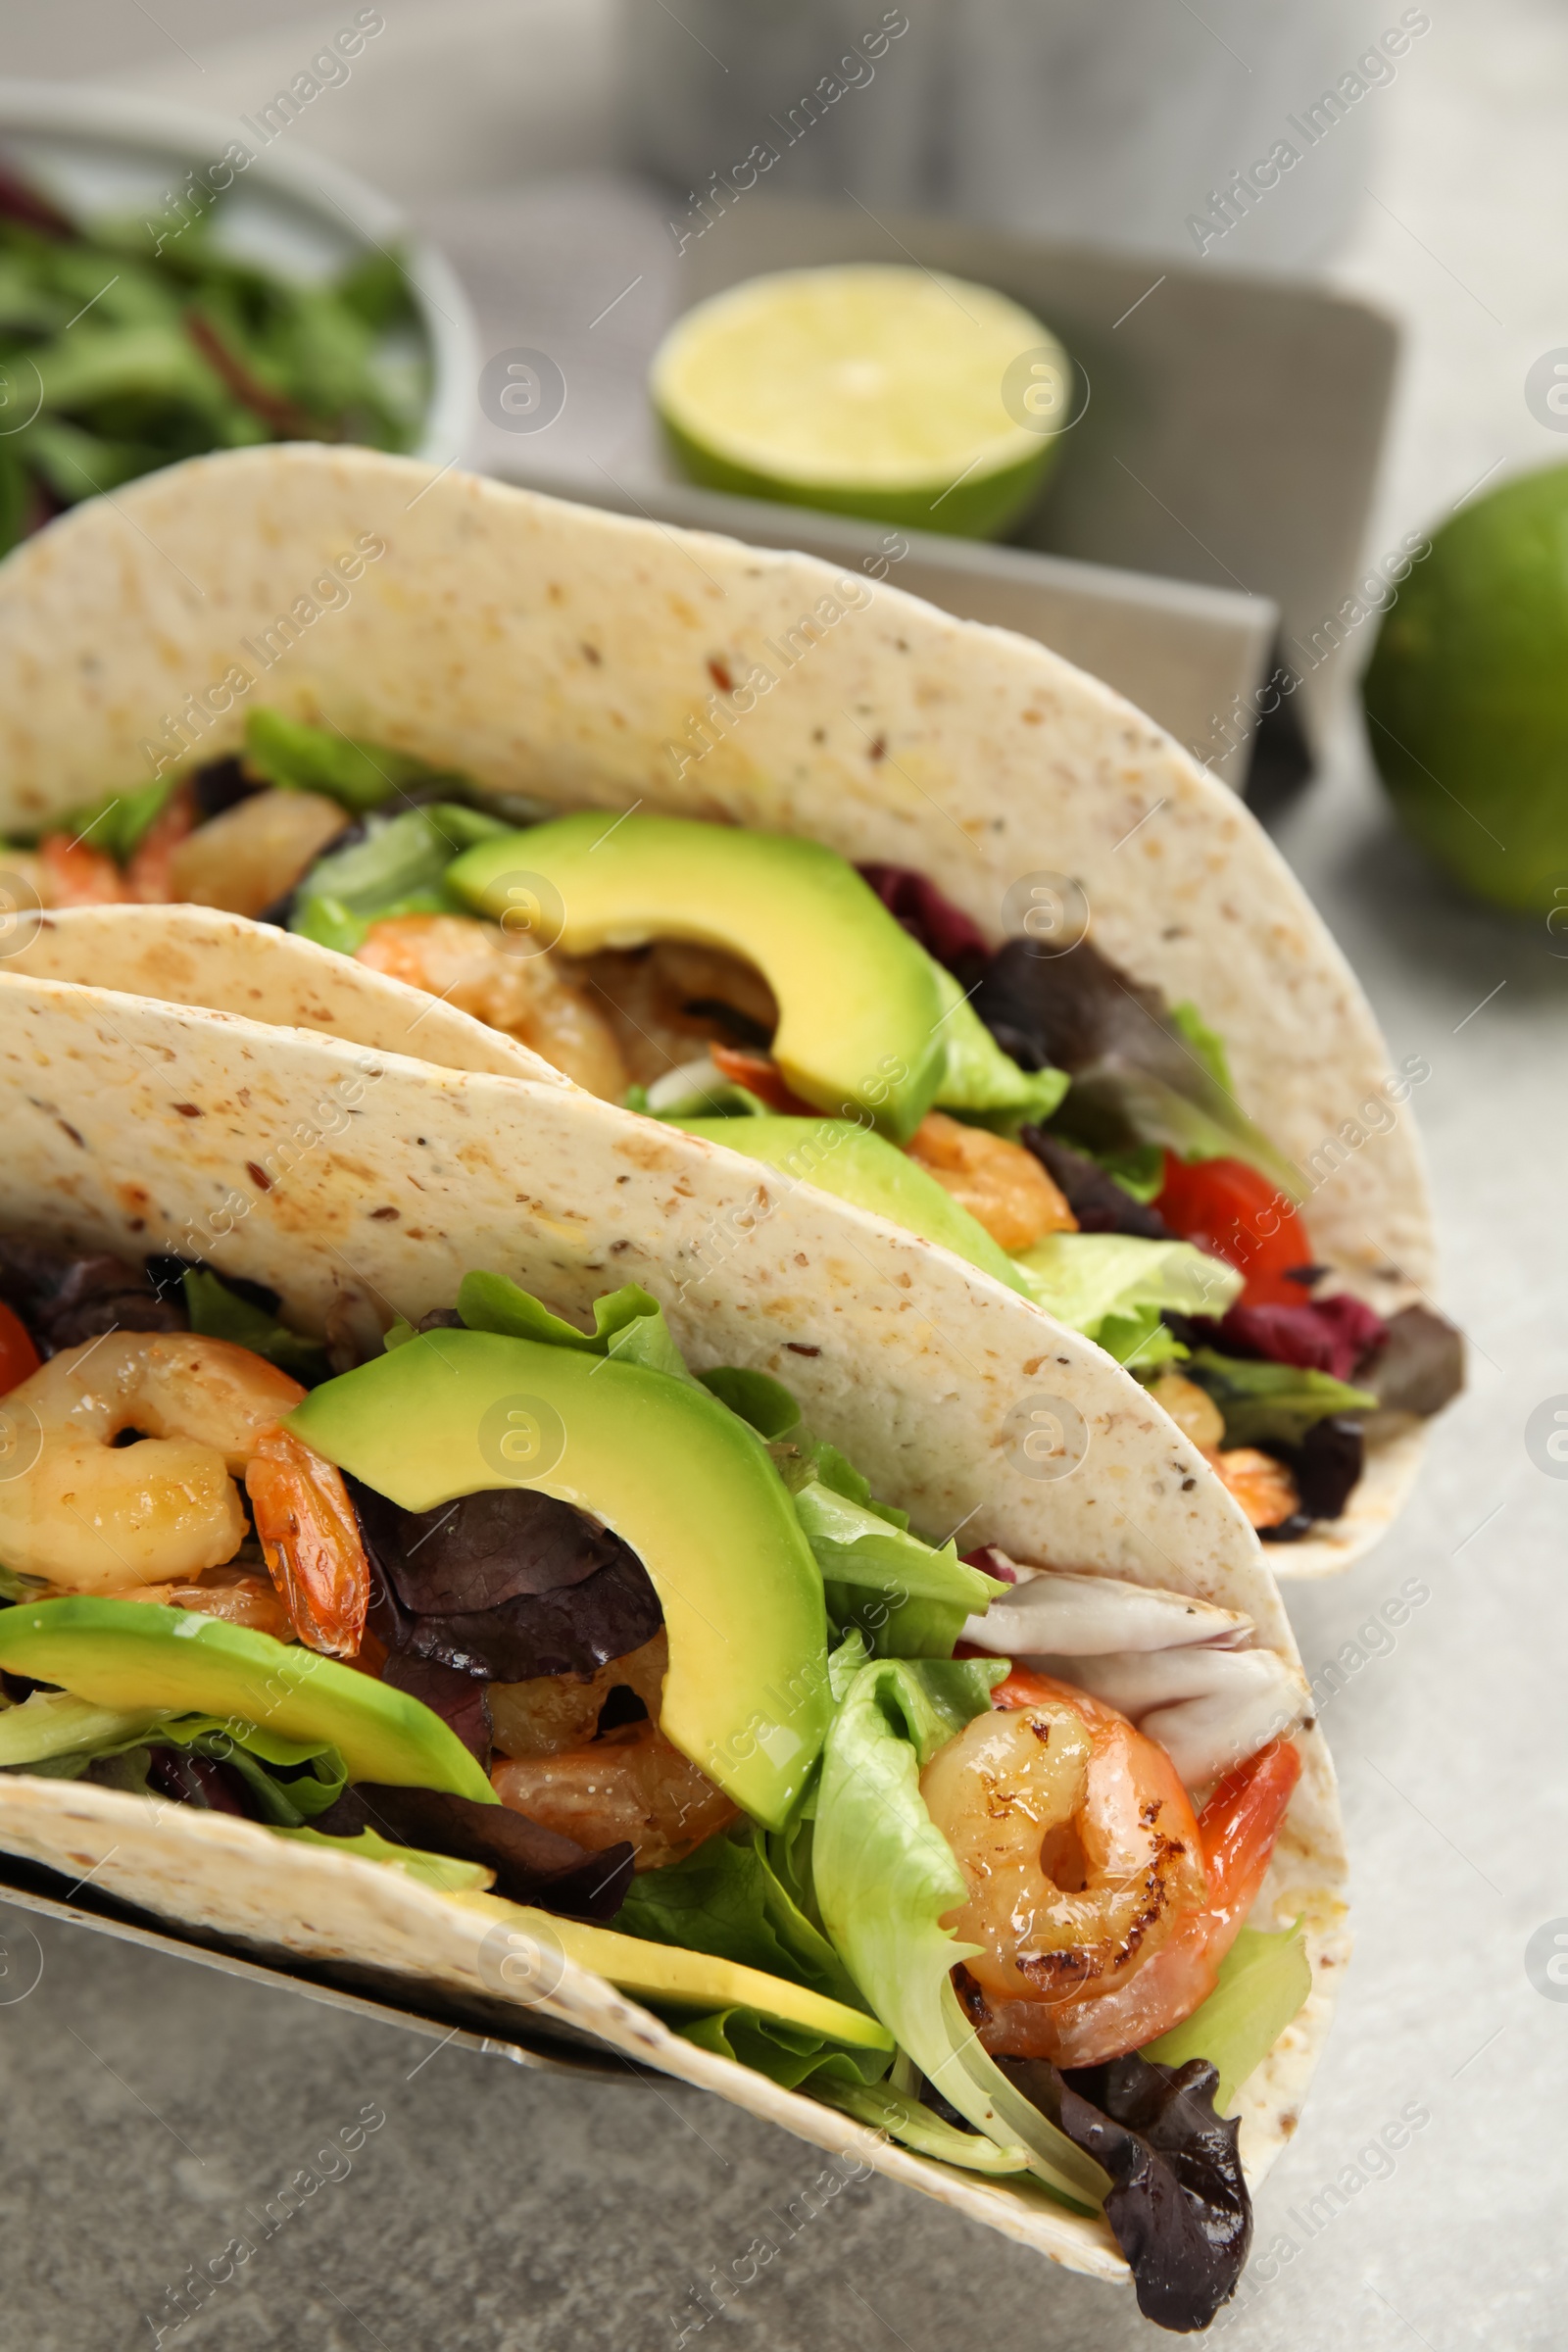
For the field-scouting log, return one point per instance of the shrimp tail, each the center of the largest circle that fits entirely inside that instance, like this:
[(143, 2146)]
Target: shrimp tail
[(1238, 1828), (312, 1541)]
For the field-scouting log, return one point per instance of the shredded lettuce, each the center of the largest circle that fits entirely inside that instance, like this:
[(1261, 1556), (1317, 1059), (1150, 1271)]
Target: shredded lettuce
[(1138, 1338), (696, 1090), (1114, 1287), (1265, 1403), (979, 1081), (885, 1876), (1263, 1984)]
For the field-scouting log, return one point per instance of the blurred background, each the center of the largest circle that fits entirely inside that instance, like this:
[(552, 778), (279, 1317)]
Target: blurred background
[(1289, 379)]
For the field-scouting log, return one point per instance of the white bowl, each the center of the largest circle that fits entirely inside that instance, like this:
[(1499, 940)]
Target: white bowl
[(99, 152)]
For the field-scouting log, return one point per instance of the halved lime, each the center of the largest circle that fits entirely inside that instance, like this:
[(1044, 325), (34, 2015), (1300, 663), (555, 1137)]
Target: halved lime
[(894, 393), (1467, 697)]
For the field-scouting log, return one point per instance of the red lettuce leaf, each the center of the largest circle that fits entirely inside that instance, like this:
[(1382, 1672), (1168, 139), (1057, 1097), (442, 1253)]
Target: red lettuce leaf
[(1180, 2209), (942, 929), (482, 1549), (458, 1699), (1321, 1335)]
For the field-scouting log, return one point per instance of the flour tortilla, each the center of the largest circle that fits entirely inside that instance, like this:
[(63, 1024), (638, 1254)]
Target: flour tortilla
[(587, 657), (135, 1125)]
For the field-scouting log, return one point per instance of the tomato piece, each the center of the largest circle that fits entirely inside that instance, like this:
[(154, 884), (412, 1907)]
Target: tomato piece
[(1231, 1210), (18, 1355)]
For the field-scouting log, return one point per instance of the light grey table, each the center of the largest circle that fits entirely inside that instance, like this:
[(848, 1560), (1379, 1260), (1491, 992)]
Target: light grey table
[(153, 2109)]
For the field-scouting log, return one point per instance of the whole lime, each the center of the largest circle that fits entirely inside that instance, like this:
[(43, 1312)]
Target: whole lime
[(1466, 695)]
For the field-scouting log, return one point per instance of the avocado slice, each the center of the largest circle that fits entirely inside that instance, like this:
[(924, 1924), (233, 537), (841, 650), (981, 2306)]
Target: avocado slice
[(129, 1655), (861, 1004), (677, 1979), (661, 1462), (843, 1159)]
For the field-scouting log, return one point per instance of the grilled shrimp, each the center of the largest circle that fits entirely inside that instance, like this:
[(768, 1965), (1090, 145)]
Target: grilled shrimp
[(629, 1784), (664, 1001), (470, 964), (1101, 1907), (1262, 1485), (559, 1711), (632, 1783), (93, 1516), (1001, 1184)]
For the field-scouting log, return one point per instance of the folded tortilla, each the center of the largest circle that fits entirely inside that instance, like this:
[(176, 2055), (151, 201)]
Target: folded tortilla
[(360, 1181), (588, 658)]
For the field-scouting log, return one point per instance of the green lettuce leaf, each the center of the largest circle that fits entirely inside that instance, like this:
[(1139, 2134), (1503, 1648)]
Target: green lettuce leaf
[(884, 1878), (756, 1396), (904, 2119), (53, 1731), (1112, 1287), (981, 1083), (219, 1314), (1267, 1403), (492, 1302), (1205, 1042), (53, 1722), (1140, 1171), (1138, 1338), (1263, 1984), (398, 867), (681, 1096), (1115, 1107), (728, 1898), (907, 1597), (360, 777), (787, 2054), (628, 1323)]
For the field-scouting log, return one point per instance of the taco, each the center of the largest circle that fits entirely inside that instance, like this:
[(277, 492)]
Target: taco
[(593, 1633), (921, 912), (508, 1593)]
